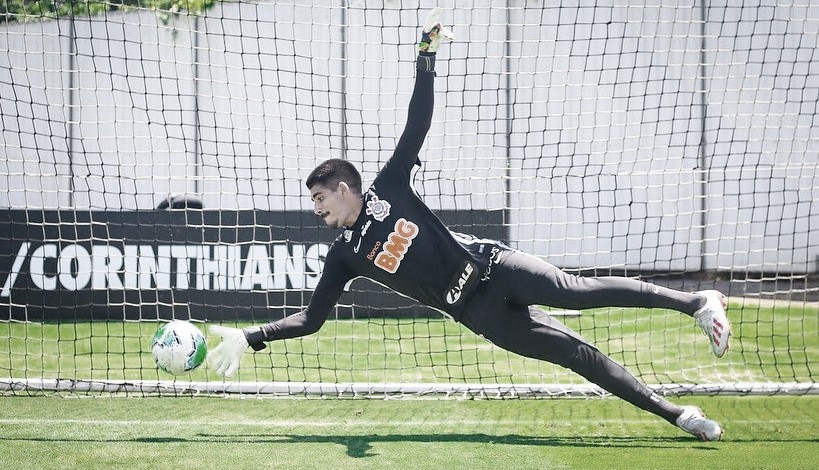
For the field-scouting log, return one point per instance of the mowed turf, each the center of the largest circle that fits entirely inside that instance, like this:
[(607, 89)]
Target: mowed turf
[(769, 345), (233, 433)]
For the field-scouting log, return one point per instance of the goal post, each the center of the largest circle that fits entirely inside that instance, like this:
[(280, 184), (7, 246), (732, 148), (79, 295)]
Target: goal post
[(153, 161)]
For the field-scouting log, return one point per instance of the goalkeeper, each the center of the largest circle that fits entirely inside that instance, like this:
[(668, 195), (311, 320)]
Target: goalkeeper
[(390, 236)]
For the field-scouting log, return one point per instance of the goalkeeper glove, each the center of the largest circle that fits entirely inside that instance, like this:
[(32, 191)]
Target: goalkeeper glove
[(433, 32), (226, 356)]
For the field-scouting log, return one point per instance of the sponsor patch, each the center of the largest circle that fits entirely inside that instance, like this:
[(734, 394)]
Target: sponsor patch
[(374, 251), (396, 246), (459, 284)]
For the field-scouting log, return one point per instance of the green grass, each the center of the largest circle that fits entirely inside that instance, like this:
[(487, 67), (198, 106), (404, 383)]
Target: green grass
[(769, 345), (212, 433)]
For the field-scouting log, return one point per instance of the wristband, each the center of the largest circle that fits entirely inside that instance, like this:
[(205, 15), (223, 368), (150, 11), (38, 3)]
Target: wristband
[(255, 337), (425, 62)]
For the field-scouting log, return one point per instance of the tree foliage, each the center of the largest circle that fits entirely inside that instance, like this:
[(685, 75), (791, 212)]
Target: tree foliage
[(36, 10)]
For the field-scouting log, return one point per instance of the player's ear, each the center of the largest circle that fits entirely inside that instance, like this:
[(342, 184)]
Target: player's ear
[(343, 187)]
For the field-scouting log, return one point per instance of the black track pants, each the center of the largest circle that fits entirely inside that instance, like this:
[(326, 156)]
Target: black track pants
[(499, 311)]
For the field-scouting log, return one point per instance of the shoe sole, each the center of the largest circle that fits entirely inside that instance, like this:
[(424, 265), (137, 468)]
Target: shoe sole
[(723, 300)]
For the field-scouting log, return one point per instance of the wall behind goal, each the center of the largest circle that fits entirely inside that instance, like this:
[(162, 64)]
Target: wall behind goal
[(628, 135), (209, 265)]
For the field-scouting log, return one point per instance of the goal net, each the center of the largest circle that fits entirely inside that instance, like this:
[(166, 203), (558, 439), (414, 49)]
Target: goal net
[(153, 159)]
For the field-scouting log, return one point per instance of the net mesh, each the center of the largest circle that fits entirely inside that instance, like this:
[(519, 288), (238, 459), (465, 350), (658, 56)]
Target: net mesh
[(677, 143)]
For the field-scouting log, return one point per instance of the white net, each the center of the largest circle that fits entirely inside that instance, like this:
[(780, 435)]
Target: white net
[(677, 143)]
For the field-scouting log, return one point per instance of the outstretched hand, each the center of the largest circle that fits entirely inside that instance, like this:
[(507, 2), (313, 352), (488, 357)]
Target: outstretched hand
[(227, 355), (433, 32)]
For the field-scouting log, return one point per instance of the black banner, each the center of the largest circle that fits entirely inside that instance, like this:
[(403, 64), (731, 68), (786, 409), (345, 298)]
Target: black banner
[(207, 265)]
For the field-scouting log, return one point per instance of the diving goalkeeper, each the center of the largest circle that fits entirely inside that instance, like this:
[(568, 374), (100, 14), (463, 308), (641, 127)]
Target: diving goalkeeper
[(390, 236)]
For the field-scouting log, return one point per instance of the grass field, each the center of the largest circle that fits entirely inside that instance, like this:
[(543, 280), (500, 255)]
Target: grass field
[(770, 345), (213, 433)]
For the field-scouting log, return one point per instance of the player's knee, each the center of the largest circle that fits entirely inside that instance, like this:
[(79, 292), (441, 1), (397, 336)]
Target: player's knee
[(585, 359)]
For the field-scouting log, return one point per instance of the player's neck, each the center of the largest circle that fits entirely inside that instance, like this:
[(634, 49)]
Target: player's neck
[(355, 214)]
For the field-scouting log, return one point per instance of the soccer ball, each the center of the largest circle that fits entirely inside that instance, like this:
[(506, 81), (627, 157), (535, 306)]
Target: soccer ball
[(179, 347)]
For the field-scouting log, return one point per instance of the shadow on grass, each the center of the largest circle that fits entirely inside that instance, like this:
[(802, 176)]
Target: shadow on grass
[(359, 446)]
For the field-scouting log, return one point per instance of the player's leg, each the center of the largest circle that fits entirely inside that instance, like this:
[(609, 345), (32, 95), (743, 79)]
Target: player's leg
[(541, 283), (537, 335), (534, 334)]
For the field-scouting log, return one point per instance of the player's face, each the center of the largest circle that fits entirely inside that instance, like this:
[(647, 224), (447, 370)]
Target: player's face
[(336, 207)]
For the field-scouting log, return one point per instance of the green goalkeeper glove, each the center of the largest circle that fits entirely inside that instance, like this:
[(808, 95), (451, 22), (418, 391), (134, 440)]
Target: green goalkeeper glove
[(227, 355), (433, 32)]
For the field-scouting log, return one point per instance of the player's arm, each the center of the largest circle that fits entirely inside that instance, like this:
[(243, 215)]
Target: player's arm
[(304, 323), (226, 356), (419, 116)]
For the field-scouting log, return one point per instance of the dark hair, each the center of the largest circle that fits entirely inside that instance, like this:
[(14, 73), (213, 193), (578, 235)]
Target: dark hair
[(333, 171), (179, 201)]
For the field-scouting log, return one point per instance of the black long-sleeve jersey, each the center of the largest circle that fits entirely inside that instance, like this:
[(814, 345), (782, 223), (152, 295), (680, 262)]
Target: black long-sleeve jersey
[(396, 241)]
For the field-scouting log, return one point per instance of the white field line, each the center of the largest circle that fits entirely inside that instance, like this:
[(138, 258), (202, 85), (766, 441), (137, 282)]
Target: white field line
[(351, 422), (770, 303)]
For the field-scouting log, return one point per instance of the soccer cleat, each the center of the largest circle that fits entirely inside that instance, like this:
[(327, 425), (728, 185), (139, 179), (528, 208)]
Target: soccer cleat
[(713, 320), (433, 32), (693, 421)]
